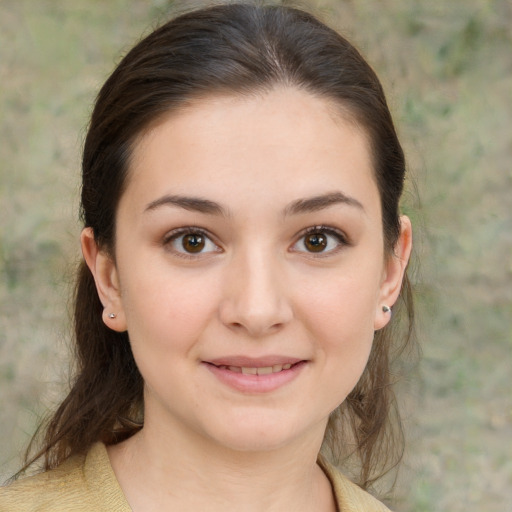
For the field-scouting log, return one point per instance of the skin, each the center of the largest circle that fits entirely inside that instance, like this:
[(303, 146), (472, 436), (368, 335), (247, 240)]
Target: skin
[(274, 165)]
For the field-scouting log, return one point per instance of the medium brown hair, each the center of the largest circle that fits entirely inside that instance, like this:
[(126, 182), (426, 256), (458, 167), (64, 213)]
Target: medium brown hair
[(236, 49)]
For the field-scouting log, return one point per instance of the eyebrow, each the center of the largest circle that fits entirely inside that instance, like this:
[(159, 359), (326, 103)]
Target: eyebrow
[(316, 203), (194, 204), (305, 205)]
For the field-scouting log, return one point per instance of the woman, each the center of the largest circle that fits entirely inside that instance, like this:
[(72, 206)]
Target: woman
[(243, 248)]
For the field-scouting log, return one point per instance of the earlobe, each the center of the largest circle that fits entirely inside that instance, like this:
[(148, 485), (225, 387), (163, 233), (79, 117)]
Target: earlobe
[(394, 273), (104, 271)]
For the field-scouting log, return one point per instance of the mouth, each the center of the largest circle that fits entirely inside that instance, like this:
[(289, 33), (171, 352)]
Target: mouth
[(256, 370), (261, 375)]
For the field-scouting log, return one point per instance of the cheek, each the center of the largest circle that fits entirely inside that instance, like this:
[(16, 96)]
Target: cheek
[(344, 330), (166, 309), (340, 319), (342, 303)]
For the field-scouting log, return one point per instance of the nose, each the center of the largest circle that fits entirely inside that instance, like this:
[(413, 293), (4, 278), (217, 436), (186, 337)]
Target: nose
[(255, 296)]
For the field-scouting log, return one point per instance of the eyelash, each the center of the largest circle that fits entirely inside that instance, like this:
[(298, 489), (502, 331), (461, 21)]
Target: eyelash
[(175, 235), (341, 239)]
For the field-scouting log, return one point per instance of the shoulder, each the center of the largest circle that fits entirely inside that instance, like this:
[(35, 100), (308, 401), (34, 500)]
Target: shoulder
[(56, 488), (82, 483), (349, 496)]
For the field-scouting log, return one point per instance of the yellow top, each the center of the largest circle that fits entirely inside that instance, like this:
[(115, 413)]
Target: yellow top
[(88, 484)]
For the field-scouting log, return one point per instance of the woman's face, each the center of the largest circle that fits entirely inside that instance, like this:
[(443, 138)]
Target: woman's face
[(249, 267)]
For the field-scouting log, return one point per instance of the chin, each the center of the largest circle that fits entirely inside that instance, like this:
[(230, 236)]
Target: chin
[(262, 434)]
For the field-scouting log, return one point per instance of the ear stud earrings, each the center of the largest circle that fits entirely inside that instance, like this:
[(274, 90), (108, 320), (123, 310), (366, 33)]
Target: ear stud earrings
[(111, 315), (386, 309)]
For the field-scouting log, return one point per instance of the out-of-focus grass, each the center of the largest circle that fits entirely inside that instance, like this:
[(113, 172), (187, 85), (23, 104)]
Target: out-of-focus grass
[(450, 70), (54, 55), (447, 67)]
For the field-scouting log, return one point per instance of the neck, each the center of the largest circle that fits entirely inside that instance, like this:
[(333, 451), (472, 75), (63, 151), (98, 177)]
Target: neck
[(166, 471)]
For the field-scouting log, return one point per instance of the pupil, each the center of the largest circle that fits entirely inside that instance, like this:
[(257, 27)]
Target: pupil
[(316, 242), (193, 243)]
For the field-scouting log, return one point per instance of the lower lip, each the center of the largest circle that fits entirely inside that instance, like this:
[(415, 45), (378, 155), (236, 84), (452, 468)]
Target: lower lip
[(256, 383)]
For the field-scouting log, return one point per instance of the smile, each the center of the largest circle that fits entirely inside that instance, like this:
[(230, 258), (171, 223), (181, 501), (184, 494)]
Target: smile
[(266, 370), (253, 376)]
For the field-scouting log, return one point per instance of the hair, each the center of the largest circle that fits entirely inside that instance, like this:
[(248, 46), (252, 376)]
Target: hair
[(227, 49)]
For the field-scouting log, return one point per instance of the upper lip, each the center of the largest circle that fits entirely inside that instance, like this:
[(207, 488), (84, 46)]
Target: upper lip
[(254, 362)]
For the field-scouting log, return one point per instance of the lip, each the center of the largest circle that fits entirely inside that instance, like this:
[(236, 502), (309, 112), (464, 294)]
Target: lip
[(255, 384), (254, 362)]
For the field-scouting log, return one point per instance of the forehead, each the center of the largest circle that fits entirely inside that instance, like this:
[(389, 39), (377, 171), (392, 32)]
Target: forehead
[(272, 107), (285, 142)]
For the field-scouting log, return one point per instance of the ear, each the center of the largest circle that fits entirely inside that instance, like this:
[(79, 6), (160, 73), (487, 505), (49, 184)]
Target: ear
[(394, 272), (105, 275)]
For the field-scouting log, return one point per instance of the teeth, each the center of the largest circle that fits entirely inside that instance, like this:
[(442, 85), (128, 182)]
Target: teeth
[(266, 370)]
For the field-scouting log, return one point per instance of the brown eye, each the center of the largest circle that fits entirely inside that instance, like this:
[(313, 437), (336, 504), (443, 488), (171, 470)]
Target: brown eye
[(315, 242), (194, 242), (190, 242), (322, 241)]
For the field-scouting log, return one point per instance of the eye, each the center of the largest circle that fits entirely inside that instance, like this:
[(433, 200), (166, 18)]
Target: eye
[(320, 239), (191, 241)]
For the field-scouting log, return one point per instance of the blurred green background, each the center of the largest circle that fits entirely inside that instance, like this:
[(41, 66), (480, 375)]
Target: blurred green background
[(447, 69)]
